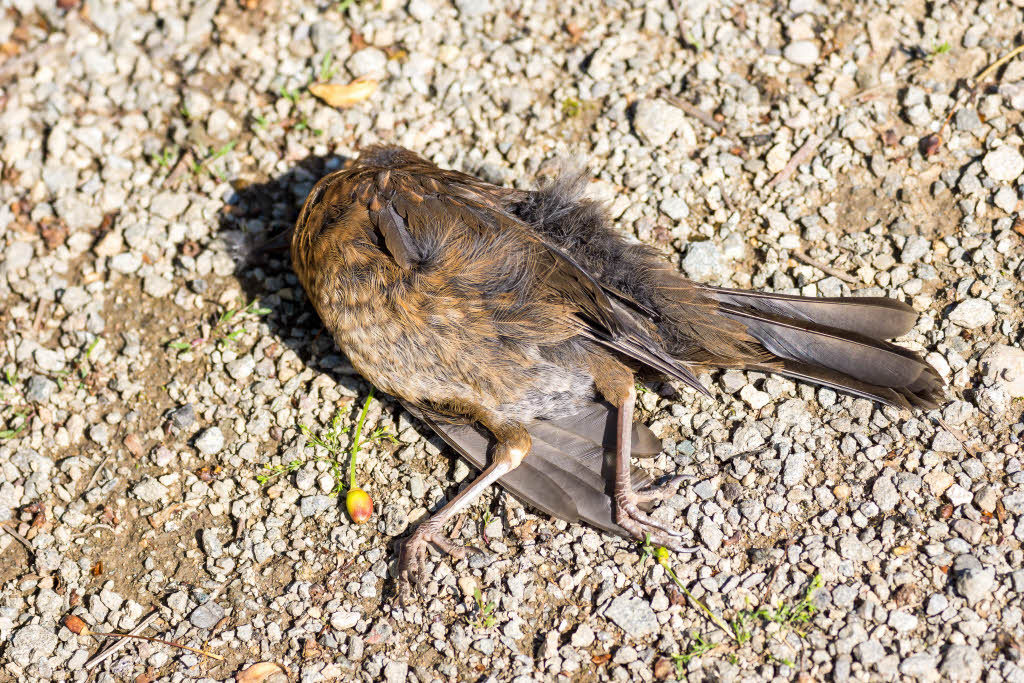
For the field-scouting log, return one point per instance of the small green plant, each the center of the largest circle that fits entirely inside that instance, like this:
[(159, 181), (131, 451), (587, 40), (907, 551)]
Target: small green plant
[(330, 440), (223, 330), (344, 5), (166, 156), (789, 616), (327, 68), (185, 113), (259, 121), (290, 95), (941, 49), (16, 415), (571, 107), (484, 612), (697, 647)]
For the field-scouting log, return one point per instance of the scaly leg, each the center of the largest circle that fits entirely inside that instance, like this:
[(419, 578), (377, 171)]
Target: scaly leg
[(513, 445), (627, 514)]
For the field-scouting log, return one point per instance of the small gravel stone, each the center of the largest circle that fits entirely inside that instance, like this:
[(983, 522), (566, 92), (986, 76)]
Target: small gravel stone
[(802, 52), (311, 506), (1004, 366), (975, 584), (210, 441), (961, 663), (632, 615), (149, 490), (157, 286), (38, 389), (206, 615), (1004, 163), (657, 121), (183, 417), (211, 544), (367, 61), (703, 261), (972, 313)]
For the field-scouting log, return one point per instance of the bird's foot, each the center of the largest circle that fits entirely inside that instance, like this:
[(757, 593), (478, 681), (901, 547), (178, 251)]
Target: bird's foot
[(413, 555), (642, 526)]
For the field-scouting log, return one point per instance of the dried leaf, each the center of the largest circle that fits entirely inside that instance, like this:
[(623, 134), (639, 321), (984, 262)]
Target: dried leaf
[(340, 95), (134, 445), (76, 625), (663, 668), (97, 569), (259, 672), (601, 659)]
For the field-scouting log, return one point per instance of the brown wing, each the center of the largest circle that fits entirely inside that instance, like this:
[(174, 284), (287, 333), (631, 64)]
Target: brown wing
[(432, 220)]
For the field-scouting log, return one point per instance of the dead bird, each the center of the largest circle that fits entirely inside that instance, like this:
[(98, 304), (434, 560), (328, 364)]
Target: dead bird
[(515, 324)]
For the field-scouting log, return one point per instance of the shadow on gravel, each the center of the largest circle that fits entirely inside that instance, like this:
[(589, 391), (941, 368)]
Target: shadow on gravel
[(257, 225)]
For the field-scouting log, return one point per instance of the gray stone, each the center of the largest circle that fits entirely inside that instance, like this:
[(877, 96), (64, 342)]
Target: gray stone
[(657, 121), (711, 534), (367, 61), (49, 360), (869, 652), (961, 663), (975, 584), (100, 433), (1014, 502), (633, 615), (311, 506), (794, 468), (958, 495), (473, 8), (211, 544), (242, 368), (206, 615), (157, 286), (77, 214), (32, 643), (1004, 163), (183, 417), (919, 666), (914, 249), (675, 208), (972, 313), (1006, 199), (169, 205), (210, 441), (703, 260), (583, 637), (1004, 365), (17, 256), (127, 262), (901, 621), (802, 52), (38, 389), (396, 672), (885, 494), (149, 490)]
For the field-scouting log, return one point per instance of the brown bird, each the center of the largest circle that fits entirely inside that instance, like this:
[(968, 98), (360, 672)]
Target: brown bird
[(514, 323)]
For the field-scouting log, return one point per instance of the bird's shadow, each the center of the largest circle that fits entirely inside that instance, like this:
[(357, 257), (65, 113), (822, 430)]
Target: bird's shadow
[(257, 224)]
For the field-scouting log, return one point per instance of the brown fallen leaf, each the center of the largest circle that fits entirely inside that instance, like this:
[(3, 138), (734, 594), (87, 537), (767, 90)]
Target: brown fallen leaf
[(341, 95), (259, 672)]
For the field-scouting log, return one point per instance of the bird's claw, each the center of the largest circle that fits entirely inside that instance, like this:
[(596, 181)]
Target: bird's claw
[(644, 527), (413, 554)]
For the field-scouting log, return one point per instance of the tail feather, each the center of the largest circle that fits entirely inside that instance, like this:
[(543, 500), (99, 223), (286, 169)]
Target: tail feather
[(840, 357), (874, 317)]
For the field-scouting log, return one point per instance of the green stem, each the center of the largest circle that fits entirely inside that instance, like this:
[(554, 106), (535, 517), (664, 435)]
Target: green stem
[(661, 554), (356, 442)]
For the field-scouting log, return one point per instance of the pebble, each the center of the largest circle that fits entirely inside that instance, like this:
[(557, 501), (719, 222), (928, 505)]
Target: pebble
[(1005, 163), (703, 261), (972, 313), (206, 615), (39, 389), (633, 615), (157, 286), (975, 584), (1004, 366), (311, 506), (802, 52), (149, 490), (657, 122), (210, 441), (961, 663)]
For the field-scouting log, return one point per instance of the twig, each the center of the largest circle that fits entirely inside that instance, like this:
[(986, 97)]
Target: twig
[(661, 555), (679, 20), (958, 435), (802, 256), (805, 153), (78, 626), (120, 643), (994, 66), (19, 538), (96, 474), (695, 112)]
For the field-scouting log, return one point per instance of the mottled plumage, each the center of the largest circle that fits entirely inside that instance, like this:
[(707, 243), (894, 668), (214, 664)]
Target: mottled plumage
[(521, 318)]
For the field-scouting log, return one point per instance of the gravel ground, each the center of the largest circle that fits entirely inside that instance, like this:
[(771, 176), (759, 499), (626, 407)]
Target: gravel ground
[(149, 375)]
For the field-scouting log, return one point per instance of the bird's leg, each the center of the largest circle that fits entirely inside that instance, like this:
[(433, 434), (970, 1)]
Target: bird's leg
[(627, 514), (513, 445)]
